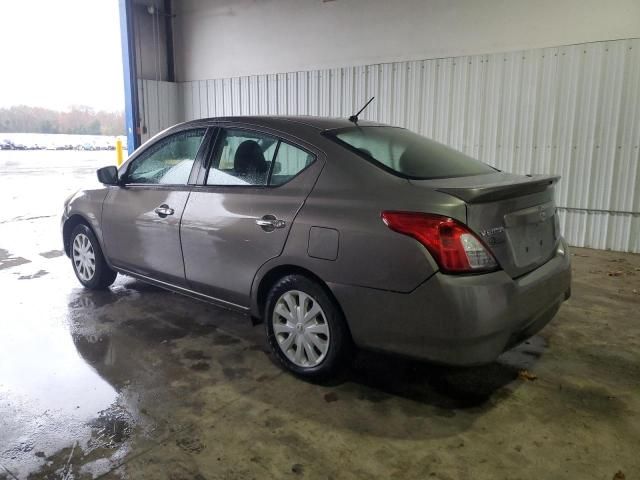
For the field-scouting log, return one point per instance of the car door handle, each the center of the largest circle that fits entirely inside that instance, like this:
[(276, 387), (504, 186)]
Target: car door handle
[(269, 223), (164, 210)]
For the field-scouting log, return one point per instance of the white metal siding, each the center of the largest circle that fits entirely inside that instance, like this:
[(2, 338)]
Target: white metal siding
[(232, 38), (570, 110), (159, 106)]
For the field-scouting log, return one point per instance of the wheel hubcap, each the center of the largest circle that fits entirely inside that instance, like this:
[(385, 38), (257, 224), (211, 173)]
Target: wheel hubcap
[(84, 258), (301, 328)]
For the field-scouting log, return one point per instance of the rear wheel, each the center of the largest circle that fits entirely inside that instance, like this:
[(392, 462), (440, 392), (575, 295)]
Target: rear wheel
[(88, 261), (306, 329)]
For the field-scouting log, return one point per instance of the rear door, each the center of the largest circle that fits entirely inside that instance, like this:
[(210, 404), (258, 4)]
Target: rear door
[(239, 217), (141, 217)]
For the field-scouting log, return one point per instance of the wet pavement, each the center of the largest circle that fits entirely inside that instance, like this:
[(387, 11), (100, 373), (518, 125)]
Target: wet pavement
[(136, 382)]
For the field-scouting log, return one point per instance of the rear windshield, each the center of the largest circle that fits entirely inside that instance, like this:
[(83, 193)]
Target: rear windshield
[(408, 154)]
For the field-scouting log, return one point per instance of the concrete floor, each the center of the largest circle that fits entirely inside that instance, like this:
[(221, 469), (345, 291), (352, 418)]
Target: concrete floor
[(136, 382)]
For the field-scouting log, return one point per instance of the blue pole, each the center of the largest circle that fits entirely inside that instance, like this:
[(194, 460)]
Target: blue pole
[(130, 81)]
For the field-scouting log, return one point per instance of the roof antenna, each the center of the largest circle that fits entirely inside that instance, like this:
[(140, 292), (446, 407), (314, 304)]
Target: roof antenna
[(354, 118)]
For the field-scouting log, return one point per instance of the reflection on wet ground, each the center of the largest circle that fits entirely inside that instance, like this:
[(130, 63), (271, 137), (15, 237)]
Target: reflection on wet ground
[(136, 382), (86, 370)]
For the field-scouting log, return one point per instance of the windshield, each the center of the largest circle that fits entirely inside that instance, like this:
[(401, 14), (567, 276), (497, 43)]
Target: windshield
[(409, 154)]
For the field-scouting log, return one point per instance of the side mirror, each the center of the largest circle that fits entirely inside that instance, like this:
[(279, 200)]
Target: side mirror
[(108, 175)]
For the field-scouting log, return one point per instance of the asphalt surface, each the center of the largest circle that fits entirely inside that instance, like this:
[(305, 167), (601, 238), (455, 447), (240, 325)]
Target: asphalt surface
[(136, 382)]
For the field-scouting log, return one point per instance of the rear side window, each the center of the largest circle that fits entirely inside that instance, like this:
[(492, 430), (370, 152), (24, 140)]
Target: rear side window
[(289, 162), (245, 158), (408, 154)]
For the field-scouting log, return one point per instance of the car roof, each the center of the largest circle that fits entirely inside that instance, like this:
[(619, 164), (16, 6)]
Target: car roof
[(275, 121)]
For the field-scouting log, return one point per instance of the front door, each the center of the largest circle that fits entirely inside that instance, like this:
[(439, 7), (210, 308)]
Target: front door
[(240, 217), (141, 218)]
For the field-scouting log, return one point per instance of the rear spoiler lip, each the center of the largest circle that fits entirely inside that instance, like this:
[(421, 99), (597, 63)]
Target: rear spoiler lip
[(496, 192)]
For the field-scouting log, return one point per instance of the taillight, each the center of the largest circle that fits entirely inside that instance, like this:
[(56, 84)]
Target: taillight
[(451, 243)]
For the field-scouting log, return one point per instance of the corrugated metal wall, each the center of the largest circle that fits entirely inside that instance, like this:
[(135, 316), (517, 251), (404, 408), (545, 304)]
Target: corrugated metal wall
[(571, 110), (159, 106)]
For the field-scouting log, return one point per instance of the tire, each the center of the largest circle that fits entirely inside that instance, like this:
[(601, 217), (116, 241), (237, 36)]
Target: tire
[(318, 348), (88, 261)]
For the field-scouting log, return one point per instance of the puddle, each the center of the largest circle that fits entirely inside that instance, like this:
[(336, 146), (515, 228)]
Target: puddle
[(51, 396)]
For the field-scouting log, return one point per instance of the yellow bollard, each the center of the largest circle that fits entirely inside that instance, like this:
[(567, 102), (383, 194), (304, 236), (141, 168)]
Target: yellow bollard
[(119, 152)]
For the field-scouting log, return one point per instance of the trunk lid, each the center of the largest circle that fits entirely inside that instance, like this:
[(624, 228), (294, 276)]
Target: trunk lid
[(514, 215)]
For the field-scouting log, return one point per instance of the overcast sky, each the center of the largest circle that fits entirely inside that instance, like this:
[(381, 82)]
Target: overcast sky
[(57, 53)]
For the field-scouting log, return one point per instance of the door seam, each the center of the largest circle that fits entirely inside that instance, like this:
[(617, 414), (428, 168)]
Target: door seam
[(184, 268), (284, 244)]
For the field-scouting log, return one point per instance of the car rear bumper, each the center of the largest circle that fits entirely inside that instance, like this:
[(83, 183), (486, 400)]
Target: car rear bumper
[(458, 320)]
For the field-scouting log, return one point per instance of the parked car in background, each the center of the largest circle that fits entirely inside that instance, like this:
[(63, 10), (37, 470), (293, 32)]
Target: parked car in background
[(6, 145), (86, 146), (337, 234)]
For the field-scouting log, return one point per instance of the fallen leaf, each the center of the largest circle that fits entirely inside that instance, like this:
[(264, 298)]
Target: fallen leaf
[(527, 375), (619, 475), (330, 397)]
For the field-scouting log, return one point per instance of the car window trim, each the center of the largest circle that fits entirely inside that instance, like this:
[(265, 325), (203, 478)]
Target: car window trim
[(273, 164), (202, 149), (207, 164), (199, 165)]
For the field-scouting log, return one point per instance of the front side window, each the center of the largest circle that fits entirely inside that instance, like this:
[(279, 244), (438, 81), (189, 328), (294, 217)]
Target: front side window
[(246, 158), (409, 154), (169, 161)]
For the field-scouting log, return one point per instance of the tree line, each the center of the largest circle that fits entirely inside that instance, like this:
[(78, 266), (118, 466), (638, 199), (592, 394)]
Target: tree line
[(78, 120)]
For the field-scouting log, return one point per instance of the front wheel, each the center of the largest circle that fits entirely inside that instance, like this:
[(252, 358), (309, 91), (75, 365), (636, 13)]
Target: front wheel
[(306, 329), (88, 261)]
